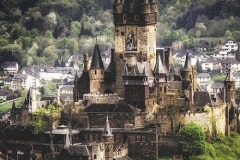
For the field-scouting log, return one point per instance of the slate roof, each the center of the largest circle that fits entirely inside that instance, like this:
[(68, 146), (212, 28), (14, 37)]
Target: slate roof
[(79, 150), (203, 75), (217, 85), (6, 93), (201, 98), (212, 60), (140, 69), (9, 64), (202, 44), (230, 61), (97, 62)]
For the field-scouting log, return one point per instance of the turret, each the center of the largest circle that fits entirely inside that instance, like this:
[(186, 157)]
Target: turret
[(160, 69), (229, 85), (86, 62), (186, 72), (108, 141), (153, 6), (145, 6), (117, 6), (96, 73)]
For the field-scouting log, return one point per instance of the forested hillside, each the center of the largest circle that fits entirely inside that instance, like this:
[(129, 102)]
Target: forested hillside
[(41, 31)]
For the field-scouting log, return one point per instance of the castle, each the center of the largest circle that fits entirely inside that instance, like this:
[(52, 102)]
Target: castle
[(136, 106)]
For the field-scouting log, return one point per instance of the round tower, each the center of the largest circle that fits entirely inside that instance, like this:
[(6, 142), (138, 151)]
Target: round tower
[(186, 71), (96, 73)]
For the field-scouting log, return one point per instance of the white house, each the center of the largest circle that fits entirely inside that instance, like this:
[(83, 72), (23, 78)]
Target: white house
[(203, 78), (236, 76), (21, 81), (10, 67), (230, 46), (223, 54), (211, 64), (180, 57), (230, 63)]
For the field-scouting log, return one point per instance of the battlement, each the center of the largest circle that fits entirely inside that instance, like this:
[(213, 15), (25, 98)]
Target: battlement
[(102, 98)]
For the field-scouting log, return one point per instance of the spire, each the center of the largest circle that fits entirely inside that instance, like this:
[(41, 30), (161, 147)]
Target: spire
[(76, 79), (159, 68), (97, 62), (187, 61), (125, 71), (107, 130), (229, 76), (86, 67)]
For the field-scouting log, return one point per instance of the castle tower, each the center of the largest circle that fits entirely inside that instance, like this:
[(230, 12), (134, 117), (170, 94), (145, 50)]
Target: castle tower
[(135, 35), (160, 75), (108, 141), (229, 85), (186, 71), (96, 73)]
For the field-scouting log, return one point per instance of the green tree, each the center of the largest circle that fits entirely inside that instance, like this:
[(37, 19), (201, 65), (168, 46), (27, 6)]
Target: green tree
[(192, 139), (44, 120), (199, 66)]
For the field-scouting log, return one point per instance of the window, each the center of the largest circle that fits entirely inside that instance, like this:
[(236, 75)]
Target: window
[(136, 17)]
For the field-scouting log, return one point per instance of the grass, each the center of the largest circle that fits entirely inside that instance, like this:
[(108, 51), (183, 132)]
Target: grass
[(221, 148), (6, 106), (217, 78)]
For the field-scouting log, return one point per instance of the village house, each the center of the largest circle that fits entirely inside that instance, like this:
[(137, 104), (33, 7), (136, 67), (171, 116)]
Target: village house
[(203, 78), (24, 81), (10, 67), (223, 54), (230, 46), (202, 46), (230, 63), (211, 64), (180, 57)]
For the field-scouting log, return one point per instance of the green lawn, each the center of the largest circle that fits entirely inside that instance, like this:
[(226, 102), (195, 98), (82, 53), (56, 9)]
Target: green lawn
[(217, 78), (6, 106)]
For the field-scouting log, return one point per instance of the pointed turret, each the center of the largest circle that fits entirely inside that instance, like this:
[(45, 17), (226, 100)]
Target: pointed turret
[(97, 62), (86, 62), (159, 68), (186, 71), (96, 73), (107, 130), (187, 64), (76, 79), (108, 141)]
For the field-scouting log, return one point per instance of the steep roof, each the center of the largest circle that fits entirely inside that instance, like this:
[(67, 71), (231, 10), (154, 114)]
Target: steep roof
[(159, 67), (187, 62), (97, 62), (201, 98), (107, 130), (203, 75)]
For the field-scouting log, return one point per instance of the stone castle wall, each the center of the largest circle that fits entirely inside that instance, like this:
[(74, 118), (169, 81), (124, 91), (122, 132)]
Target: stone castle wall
[(201, 118)]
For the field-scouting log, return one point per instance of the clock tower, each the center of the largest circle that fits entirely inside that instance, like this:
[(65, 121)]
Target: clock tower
[(135, 35)]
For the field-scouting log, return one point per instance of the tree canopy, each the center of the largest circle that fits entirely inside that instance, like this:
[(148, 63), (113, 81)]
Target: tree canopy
[(192, 139)]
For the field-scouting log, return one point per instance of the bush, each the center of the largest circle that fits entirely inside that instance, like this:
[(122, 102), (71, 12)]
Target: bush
[(192, 139)]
